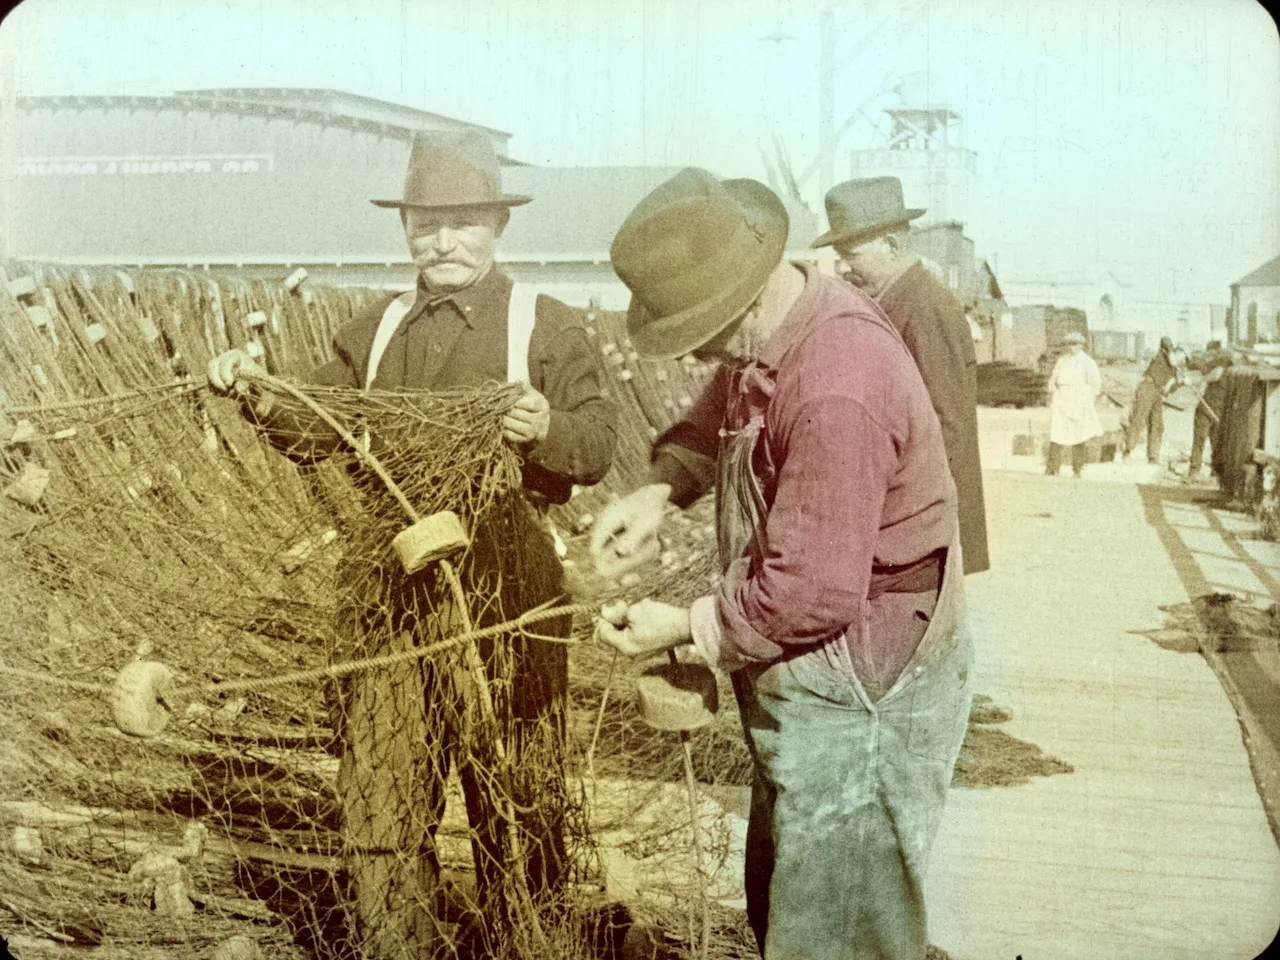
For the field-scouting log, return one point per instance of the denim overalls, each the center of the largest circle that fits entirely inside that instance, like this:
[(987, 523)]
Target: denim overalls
[(848, 792)]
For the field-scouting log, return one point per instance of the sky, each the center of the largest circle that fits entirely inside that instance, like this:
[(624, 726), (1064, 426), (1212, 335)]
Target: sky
[(1136, 136)]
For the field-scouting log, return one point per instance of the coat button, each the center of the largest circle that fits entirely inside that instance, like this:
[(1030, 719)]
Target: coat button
[(435, 347)]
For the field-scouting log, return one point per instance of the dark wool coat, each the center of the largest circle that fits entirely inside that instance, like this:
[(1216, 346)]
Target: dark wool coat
[(448, 342), (461, 341), (933, 324)]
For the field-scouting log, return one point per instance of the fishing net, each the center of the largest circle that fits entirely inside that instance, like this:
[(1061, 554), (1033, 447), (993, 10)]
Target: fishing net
[(343, 758)]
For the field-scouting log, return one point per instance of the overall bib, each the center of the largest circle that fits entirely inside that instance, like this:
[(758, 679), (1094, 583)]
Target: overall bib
[(848, 787)]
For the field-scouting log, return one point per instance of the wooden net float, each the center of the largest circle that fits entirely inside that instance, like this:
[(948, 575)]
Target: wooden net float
[(678, 696), (139, 698)]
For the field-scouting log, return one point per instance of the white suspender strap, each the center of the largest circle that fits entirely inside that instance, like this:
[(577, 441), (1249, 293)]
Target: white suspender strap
[(521, 314), (396, 311)]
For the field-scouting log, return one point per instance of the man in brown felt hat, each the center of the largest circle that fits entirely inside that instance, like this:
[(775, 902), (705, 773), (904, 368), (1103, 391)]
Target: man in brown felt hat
[(465, 324), (840, 614), (869, 231)]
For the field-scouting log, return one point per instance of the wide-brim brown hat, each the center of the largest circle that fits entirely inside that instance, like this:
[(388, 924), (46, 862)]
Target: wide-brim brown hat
[(453, 169), (861, 210), (695, 253)]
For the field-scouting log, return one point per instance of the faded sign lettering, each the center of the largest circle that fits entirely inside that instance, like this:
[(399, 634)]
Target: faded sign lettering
[(145, 164)]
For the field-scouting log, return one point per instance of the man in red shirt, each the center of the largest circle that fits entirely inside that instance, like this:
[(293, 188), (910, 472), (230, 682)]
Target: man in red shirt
[(840, 613)]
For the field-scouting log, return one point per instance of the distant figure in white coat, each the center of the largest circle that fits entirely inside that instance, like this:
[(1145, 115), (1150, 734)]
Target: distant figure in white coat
[(1074, 386)]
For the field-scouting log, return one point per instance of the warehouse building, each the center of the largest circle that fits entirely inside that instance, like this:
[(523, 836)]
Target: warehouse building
[(261, 181), (946, 252), (1110, 304), (1255, 304), (211, 177)]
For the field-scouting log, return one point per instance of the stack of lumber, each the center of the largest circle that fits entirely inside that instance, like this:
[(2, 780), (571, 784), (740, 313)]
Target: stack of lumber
[(1005, 384)]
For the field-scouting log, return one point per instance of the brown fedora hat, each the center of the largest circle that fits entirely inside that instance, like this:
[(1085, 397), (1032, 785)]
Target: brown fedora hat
[(695, 253), (861, 210), (453, 169)]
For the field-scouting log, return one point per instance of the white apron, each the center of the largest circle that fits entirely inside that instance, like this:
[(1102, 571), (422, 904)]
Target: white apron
[(1074, 386)]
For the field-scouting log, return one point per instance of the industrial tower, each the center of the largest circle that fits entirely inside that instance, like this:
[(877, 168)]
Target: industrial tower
[(924, 148)]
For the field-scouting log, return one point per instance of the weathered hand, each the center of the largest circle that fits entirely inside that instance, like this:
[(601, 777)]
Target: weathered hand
[(229, 367), (528, 419), (626, 535), (233, 371), (647, 626)]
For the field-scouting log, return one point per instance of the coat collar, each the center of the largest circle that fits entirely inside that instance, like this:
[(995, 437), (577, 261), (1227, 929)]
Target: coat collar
[(491, 291), (897, 280), (758, 377), (797, 318)]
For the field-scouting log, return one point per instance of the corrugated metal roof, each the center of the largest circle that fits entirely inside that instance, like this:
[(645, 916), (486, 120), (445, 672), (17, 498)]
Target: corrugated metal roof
[(326, 108), (337, 101), (1267, 275)]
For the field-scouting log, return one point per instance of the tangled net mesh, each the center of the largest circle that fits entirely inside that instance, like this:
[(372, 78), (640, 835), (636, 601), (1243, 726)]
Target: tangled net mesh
[(447, 799)]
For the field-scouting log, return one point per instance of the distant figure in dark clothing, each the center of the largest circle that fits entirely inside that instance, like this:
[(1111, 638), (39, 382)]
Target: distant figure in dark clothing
[(869, 232), (1209, 409), (1147, 414)]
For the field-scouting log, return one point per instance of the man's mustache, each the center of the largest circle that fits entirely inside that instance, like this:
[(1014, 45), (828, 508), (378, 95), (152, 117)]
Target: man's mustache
[(441, 261), (850, 275)]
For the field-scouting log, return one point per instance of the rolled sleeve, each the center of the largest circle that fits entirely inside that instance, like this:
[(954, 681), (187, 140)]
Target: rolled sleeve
[(578, 446), (707, 633), (689, 474)]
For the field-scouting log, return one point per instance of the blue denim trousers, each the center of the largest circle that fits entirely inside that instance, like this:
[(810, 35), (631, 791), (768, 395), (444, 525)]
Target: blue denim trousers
[(848, 794)]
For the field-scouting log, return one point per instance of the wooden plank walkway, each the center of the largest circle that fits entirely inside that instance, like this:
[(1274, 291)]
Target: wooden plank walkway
[(1157, 845)]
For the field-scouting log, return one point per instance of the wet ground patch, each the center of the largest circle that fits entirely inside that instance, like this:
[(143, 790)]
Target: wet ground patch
[(993, 758)]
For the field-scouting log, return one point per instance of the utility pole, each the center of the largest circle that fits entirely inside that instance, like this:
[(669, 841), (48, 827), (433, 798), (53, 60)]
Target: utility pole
[(826, 102), (8, 143), (829, 135)]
